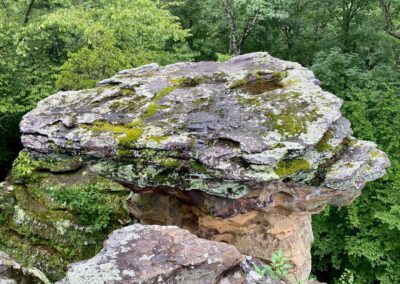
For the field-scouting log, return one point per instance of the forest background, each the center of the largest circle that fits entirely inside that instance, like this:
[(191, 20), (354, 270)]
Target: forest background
[(353, 46)]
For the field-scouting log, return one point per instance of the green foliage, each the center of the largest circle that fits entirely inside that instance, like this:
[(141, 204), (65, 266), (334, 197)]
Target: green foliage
[(279, 267), (346, 278), (83, 69), (23, 167), (363, 237), (88, 203), (107, 41), (223, 57)]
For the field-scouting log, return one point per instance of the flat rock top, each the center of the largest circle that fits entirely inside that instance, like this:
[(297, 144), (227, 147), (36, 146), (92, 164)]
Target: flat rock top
[(253, 118), (254, 101)]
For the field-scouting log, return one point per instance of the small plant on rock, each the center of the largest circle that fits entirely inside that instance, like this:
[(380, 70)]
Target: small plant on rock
[(277, 269), (23, 166), (88, 203)]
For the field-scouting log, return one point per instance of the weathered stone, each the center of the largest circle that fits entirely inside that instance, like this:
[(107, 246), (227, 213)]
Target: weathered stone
[(258, 233), (54, 219), (222, 128), (157, 254), (11, 272), (246, 151)]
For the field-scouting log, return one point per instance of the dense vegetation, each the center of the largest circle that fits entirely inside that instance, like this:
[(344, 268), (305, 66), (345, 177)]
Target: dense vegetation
[(352, 45)]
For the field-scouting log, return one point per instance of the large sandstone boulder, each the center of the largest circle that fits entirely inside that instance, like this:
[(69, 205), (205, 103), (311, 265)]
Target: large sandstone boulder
[(159, 254), (241, 152)]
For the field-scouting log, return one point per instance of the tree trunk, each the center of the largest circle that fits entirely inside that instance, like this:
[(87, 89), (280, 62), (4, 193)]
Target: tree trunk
[(230, 15), (28, 12), (390, 29)]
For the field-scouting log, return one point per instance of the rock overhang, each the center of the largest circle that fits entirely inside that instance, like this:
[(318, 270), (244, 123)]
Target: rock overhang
[(221, 128)]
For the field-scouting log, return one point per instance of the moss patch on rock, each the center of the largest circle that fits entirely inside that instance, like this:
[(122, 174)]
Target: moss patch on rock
[(286, 168), (288, 114), (126, 134), (52, 220), (323, 145)]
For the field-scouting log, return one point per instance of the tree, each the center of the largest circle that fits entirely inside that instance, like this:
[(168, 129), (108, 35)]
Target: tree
[(242, 17), (363, 237), (390, 28)]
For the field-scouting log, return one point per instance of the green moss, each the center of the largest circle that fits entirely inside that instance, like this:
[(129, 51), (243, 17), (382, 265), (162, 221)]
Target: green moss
[(158, 139), (106, 126), (133, 131), (188, 82), (250, 101), (57, 219), (151, 110), (279, 74), (198, 167), (116, 105), (132, 135), (126, 91), (238, 83), (178, 81), (288, 167), (170, 162), (132, 105), (200, 101), (137, 123), (376, 154), (59, 163), (123, 153), (164, 92), (349, 165), (323, 144), (290, 120)]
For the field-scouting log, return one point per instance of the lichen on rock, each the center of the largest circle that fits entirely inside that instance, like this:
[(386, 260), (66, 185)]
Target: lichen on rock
[(254, 136), (51, 219), (156, 254)]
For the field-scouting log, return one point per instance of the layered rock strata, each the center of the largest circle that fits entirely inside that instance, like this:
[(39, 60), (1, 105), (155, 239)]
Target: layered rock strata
[(241, 152)]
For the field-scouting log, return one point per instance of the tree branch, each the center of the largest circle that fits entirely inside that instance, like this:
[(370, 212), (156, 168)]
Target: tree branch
[(233, 48), (248, 28), (390, 29), (28, 12)]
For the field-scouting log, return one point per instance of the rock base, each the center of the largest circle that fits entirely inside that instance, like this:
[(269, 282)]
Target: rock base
[(255, 233)]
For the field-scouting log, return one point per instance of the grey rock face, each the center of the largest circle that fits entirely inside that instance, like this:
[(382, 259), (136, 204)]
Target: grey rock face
[(221, 128), (157, 254)]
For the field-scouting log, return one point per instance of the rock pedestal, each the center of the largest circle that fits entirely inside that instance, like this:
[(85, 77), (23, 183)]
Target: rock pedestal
[(257, 233), (241, 152)]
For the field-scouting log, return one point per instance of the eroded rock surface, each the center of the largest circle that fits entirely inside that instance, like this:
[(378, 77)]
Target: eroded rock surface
[(11, 272), (258, 233), (222, 128), (243, 152), (157, 254), (50, 220)]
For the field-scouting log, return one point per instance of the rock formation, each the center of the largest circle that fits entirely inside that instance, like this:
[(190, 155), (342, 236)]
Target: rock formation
[(241, 152), (11, 272), (159, 254)]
